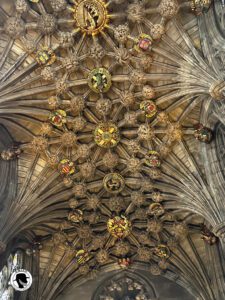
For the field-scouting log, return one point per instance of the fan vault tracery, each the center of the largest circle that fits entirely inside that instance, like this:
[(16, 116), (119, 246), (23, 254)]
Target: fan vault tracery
[(106, 100)]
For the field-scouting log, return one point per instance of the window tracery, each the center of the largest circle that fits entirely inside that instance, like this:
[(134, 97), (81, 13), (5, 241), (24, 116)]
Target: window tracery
[(125, 286)]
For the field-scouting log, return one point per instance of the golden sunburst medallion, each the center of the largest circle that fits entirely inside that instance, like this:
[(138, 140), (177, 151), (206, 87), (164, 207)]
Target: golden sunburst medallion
[(91, 16)]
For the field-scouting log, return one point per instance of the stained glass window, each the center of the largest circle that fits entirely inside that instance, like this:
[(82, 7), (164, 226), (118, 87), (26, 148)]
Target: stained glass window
[(14, 261)]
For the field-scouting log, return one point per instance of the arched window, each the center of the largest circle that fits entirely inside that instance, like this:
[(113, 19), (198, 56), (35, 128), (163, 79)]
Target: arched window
[(126, 286), (13, 262)]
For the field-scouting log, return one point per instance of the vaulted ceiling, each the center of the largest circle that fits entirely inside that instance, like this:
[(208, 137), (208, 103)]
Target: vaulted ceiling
[(116, 111)]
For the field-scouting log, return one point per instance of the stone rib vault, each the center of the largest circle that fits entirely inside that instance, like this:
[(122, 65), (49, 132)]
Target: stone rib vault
[(112, 146)]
